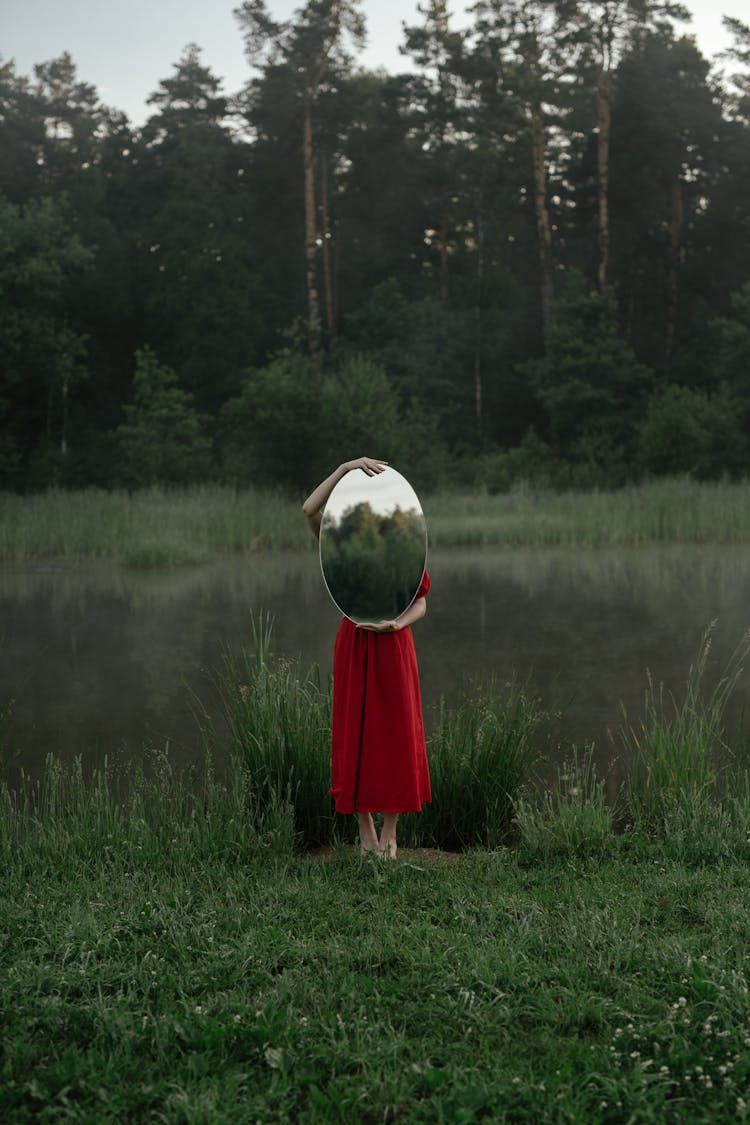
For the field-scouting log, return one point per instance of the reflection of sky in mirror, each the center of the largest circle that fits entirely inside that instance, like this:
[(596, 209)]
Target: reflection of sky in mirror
[(384, 493)]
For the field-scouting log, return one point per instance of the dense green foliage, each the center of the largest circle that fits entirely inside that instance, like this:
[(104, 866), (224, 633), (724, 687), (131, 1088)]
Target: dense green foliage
[(532, 247), (162, 438)]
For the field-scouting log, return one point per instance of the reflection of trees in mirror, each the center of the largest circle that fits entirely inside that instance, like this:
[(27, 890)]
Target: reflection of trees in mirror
[(373, 563)]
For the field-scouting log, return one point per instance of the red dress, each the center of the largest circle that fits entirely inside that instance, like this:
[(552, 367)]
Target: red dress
[(378, 752)]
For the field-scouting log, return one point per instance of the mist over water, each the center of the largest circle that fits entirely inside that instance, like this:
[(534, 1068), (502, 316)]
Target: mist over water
[(99, 659)]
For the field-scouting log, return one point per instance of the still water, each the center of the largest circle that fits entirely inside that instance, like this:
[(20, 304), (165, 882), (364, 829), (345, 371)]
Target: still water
[(99, 659)]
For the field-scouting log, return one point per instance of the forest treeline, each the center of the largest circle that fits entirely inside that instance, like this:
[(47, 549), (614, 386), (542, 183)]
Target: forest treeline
[(528, 255)]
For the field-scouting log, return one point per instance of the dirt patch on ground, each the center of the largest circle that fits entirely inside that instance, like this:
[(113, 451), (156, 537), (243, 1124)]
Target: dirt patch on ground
[(407, 855)]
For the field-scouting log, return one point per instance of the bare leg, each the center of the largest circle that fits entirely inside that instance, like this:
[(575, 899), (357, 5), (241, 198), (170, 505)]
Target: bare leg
[(387, 844), (368, 837)]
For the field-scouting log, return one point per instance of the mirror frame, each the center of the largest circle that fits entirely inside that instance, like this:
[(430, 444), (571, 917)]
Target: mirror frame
[(360, 495)]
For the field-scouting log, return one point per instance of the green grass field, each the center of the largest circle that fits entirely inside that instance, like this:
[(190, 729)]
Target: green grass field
[(157, 527), (178, 962)]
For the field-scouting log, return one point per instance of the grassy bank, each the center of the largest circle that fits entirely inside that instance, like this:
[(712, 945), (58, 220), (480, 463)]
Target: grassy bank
[(153, 527), (171, 952), (666, 510), (166, 527), (173, 960)]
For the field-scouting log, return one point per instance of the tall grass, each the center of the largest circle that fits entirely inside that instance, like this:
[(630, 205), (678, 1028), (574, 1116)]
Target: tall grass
[(675, 751), (150, 527), (704, 829), (273, 797), (665, 510), (279, 718), (161, 526), (571, 818), (150, 814), (279, 721), (480, 753), (275, 793)]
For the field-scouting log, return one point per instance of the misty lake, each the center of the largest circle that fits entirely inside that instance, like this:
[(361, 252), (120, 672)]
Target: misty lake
[(98, 659)]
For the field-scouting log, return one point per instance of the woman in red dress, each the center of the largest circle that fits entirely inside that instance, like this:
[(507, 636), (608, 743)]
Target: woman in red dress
[(378, 752)]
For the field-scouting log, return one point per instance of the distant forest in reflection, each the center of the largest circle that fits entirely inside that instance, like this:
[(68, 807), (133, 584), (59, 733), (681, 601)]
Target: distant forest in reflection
[(373, 562)]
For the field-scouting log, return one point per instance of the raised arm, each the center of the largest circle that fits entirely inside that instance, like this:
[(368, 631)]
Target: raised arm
[(313, 506)]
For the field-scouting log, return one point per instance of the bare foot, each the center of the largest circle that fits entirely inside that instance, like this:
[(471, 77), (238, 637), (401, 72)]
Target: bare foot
[(368, 837), (387, 848)]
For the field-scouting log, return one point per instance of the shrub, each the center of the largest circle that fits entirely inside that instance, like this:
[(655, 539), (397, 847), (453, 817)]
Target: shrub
[(268, 434), (292, 424), (589, 381), (530, 461), (163, 439), (359, 413), (685, 431)]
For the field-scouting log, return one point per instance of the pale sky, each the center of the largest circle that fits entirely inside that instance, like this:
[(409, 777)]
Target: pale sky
[(126, 47), (384, 492)]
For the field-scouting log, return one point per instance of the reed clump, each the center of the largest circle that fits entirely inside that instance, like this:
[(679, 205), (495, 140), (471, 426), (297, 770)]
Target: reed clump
[(146, 809), (675, 751), (480, 754), (164, 526), (678, 796), (279, 718), (678, 510), (279, 721), (156, 526), (572, 818)]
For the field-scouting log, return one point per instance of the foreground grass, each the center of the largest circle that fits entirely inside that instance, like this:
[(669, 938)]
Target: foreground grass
[(211, 976), (161, 526)]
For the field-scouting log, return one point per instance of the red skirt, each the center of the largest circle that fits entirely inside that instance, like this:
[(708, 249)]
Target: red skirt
[(378, 752)]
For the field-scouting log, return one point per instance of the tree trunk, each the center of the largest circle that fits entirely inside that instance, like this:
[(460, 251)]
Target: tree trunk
[(674, 258), (327, 275), (538, 151), (64, 418), (313, 304), (603, 117), (478, 396), (443, 235)]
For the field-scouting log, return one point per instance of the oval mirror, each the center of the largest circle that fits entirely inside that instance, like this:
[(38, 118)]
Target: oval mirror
[(373, 545)]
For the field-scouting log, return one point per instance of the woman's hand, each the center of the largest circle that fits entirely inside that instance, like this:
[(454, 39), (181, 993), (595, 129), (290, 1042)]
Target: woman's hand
[(369, 465), (380, 626), (415, 612), (313, 506)]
